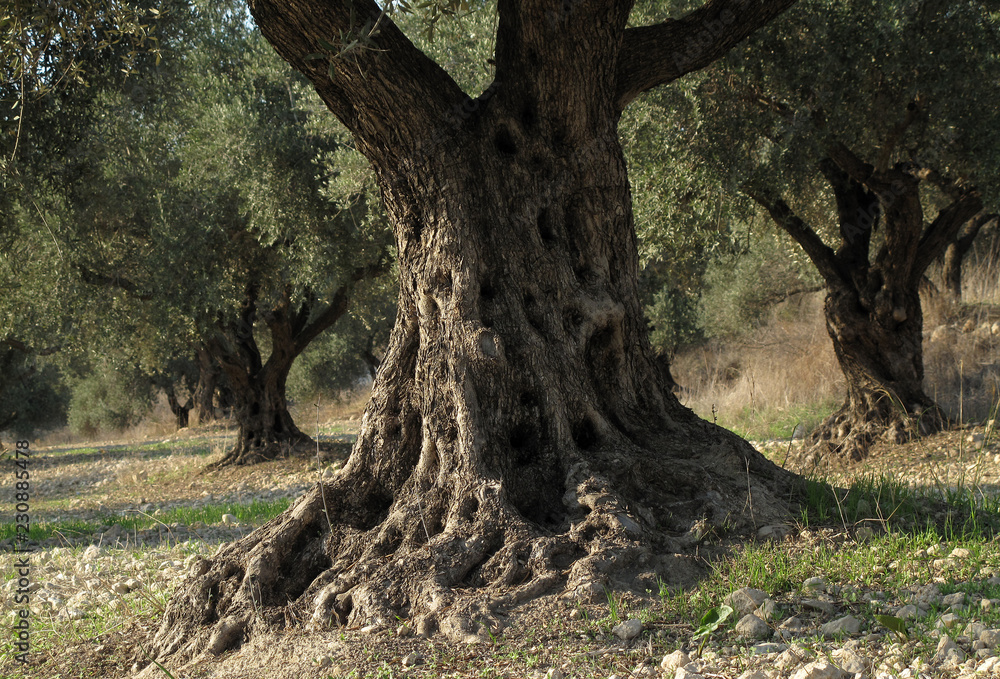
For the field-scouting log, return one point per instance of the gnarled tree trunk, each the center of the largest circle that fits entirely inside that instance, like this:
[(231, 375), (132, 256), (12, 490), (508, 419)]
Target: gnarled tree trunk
[(519, 438), (872, 307), (266, 428)]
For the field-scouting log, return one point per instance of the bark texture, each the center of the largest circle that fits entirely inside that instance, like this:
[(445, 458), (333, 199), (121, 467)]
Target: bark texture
[(520, 438), (872, 309)]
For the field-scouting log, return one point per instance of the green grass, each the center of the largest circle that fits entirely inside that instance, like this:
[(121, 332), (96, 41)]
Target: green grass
[(253, 513), (766, 424)]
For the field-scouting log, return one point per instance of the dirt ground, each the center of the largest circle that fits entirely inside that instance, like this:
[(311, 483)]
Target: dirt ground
[(551, 633)]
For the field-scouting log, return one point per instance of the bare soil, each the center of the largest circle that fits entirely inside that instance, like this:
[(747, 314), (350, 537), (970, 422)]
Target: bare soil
[(549, 632)]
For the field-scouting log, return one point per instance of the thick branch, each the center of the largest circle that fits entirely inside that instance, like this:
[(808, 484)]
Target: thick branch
[(944, 229), (25, 348), (658, 54), (339, 303), (118, 282), (822, 255), (388, 93)]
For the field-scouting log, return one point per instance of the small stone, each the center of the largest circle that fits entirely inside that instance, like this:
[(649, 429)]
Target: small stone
[(120, 588), (674, 660), (906, 612), (960, 553), (990, 637), (752, 627), (820, 669), (825, 607), (793, 657), (986, 605), (752, 674), (746, 600), (849, 661), (91, 553), (230, 520), (816, 584), (846, 625), (404, 631), (948, 621), (944, 564), (947, 651), (645, 670), (412, 658), (628, 630), (554, 673)]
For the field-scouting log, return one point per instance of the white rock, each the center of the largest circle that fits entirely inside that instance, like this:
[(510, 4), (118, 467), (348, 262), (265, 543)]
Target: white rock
[(231, 520), (960, 553), (752, 674), (91, 553), (846, 625), (674, 660), (990, 637), (906, 612), (684, 673), (990, 665), (849, 661), (628, 630), (752, 627), (948, 621), (746, 600), (820, 669), (947, 651)]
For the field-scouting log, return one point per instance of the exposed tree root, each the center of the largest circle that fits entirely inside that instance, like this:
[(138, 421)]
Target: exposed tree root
[(453, 558), (850, 431)]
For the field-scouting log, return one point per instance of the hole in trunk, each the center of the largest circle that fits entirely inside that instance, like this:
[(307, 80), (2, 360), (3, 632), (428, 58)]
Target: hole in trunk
[(545, 226), (504, 141), (585, 434)]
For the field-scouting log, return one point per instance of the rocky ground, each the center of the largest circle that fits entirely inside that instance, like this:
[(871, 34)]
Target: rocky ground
[(97, 589)]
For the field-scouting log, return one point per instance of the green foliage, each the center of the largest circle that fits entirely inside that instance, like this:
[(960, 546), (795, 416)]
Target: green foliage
[(108, 400), (741, 289), (32, 395)]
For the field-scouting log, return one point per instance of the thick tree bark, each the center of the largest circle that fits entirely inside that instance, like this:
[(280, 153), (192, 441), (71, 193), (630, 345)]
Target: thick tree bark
[(955, 253), (519, 438), (204, 392), (872, 308)]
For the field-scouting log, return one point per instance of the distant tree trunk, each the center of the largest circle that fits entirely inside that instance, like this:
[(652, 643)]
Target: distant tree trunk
[(180, 411), (872, 307), (266, 428), (955, 253), (204, 393), (520, 438)]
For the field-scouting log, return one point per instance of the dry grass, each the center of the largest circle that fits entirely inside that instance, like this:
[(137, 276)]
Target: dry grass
[(785, 373), (766, 379)]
